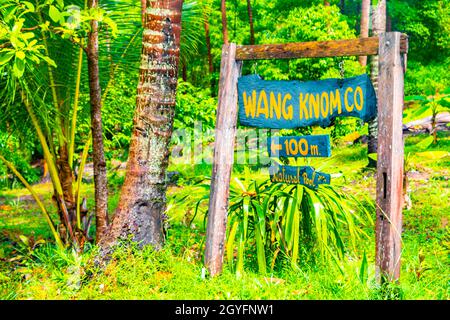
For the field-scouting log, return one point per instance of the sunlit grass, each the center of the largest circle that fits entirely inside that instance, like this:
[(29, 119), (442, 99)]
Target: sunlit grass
[(177, 271)]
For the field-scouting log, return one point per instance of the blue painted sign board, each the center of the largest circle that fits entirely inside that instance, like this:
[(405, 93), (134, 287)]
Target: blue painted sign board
[(299, 146), (295, 104), (304, 175)]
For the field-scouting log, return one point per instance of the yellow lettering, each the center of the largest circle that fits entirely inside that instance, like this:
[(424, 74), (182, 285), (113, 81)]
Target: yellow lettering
[(314, 150), (275, 106), (307, 180), (358, 92), (335, 102), (314, 103), (293, 146), (303, 108), (303, 147), (289, 114), (324, 105), (265, 109), (250, 104), (347, 107)]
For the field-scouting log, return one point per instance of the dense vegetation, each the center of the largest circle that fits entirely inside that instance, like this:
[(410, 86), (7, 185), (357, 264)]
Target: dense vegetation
[(283, 242)]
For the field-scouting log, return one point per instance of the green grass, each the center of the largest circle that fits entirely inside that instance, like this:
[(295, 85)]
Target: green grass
[(176, 272)]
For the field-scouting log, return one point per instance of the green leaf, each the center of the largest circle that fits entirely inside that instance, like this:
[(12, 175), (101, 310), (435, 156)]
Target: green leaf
[(32, 43), (54, 13), (18, 25), (289, 228), (420, 112), (444, 103), (230, 243), (425, 143), (260, 253), (50, 61), (112, 25), (24, 239), (363, 270), (29, 5), (19, 67), (415, 98), (44, 26), (241, 251), (4, 58), (373, 156), (434, 155), (27, 35), (20, 55)]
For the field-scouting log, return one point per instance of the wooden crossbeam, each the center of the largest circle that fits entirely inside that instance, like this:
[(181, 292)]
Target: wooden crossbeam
[(315, 49)]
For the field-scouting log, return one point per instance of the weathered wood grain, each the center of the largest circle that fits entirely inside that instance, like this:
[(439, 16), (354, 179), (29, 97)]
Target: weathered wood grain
[(223, 159), (390, 157), (315, 49)]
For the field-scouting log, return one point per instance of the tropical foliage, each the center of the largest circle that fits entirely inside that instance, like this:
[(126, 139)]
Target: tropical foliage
[(279, 237)]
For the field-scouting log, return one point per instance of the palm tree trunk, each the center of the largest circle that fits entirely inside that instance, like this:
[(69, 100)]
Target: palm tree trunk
[(143, 195), (379, 26), (364, 33), (223, 8), (208, 45), (66, 177), (250, 19), (208, 50), (100, 180), (143, 8), (342, 6)]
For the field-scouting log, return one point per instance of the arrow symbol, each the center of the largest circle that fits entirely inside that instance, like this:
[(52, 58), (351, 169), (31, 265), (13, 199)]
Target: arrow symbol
[(274, 147)]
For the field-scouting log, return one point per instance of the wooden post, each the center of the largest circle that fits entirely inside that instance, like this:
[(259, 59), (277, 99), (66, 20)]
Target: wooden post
[(223, 159), (390, 158)]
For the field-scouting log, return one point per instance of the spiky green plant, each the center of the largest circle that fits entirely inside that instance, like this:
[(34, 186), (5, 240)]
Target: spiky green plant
[(279, 218)]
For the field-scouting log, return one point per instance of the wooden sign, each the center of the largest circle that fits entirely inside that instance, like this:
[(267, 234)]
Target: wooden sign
[(299, 146), (294, 104), (304, 175)]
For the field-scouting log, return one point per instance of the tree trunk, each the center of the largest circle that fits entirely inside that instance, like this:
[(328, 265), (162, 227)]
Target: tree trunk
[(143, 195), (364, 32), (143, 8), (378, 26), (250, 19), (433, 127), (208, 49), (224, 21), (208, 45), (66, 177), (342, 6), (326, 3), (100, 180)]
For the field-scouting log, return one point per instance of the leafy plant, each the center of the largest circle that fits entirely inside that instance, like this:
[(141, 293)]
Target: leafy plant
[(436, 101), (279, 218)]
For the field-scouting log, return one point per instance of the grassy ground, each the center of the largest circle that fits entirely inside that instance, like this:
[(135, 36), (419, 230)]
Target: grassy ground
[(176, 272)]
